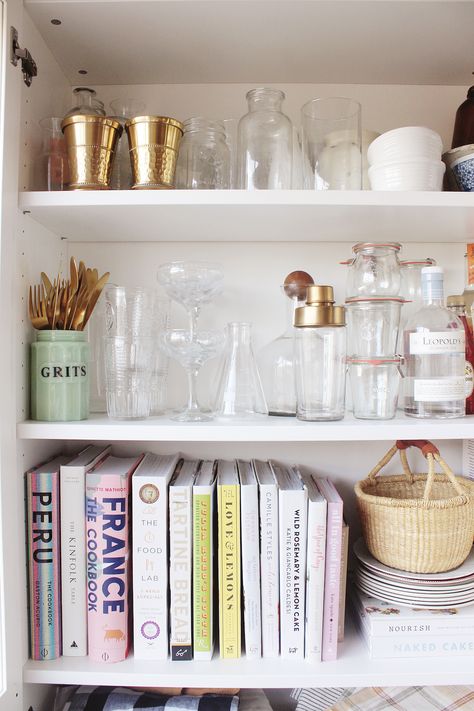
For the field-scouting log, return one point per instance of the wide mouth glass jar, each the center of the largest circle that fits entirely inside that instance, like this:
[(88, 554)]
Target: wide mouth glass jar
[(372, 326), (375, 384), (375, 270)]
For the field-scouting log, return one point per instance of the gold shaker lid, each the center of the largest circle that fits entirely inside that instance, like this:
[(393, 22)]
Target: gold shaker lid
[(319, 309)]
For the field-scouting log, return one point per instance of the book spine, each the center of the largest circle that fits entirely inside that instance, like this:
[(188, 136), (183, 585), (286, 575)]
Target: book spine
[(293, 523), (315, 565), (42, 493), (180, 506), (251, 571), (417, 647), (343, 581), (203, 623), (150, 568), (270, 570), (107, 545), (73, 561), (229, 570), (431, 623), (332, 581)]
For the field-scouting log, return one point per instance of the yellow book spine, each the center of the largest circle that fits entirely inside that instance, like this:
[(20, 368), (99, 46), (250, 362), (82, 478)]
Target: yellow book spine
[(229, 570)]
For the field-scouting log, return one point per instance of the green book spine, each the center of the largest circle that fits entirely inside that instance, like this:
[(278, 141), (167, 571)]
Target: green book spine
[(202, 576)]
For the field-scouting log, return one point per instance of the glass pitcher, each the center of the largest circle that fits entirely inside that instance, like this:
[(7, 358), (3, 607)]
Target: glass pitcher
[(86, 103)]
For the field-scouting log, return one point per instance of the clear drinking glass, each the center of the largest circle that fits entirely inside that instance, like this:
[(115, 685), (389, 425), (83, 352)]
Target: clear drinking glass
[(320, 367), (130, 311), (191, 284), (265, 143), (52, 170), (204, 156), (372, 326), (123, 109), (86, 103), (128, 372), (375, 270), (331, 139), (240, 392), (374, 385), (192, 351)]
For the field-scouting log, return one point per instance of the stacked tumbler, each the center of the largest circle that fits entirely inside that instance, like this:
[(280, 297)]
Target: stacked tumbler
[(373, 308)]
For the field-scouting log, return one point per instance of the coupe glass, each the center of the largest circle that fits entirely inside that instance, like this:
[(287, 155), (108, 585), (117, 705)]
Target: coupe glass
[(192, 351), (191, 284)]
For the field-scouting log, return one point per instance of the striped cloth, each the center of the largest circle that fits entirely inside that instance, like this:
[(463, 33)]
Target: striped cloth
[(319, 699), (101, 698), (412, 698)]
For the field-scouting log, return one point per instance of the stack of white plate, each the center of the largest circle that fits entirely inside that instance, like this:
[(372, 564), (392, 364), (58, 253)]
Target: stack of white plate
[(407, 158), (455, 588)]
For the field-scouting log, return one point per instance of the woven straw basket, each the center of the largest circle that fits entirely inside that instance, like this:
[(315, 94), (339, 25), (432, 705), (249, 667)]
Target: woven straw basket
[(423, 523)]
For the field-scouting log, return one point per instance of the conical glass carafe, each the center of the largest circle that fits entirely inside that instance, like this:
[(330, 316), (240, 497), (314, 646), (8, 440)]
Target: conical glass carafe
[(276, 365), (240, 392), (86, 103)]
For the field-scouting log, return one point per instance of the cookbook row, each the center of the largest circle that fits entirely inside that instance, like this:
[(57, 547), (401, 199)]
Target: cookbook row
[(88, 150), (183, 558)]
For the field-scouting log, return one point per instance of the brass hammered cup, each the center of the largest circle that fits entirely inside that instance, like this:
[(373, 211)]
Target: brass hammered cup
[(153, 143), (91, 142)]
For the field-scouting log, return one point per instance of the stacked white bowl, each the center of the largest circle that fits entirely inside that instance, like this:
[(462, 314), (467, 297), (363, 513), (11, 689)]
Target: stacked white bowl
[(407, 158)]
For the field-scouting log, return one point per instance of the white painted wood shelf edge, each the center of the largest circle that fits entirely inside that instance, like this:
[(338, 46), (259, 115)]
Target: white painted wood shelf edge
[(266, 429), (352, 668), (260, 216)]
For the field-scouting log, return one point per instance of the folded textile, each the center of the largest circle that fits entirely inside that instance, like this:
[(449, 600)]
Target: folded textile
[(102, 698), (319, 699), (411, 698)]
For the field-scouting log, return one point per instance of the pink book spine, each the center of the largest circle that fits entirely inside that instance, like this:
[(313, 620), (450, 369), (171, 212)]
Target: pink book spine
[(107, 544), (332, 579)]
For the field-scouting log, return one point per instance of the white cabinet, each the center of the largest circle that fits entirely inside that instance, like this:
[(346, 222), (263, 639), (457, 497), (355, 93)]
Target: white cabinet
[(408, 63)]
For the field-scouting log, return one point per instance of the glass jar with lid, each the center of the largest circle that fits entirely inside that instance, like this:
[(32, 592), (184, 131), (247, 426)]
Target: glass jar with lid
[(375, 270), (86, 103), (265, 143), (204, 156)]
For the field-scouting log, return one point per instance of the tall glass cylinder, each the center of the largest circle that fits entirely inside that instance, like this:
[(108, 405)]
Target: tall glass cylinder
[(51, 168), (331, 140), (265, 143)]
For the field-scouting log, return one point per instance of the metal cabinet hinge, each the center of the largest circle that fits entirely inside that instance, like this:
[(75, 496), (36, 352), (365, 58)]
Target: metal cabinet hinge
[(28, 64)]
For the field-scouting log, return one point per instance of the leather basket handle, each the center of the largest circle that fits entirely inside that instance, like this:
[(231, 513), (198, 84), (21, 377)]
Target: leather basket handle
[(423, 445)]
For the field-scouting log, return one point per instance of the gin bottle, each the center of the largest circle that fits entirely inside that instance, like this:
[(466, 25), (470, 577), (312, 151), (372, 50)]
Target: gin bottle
[(434, 346)]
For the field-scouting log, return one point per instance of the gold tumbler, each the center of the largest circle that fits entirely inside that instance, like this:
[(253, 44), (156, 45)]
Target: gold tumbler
[(153, 143), (91, 142)]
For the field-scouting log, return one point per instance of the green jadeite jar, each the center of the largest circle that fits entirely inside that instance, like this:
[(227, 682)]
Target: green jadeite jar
[(60, 376)]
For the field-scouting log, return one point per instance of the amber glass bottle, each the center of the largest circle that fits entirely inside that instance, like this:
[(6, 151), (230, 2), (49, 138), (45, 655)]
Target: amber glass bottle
[(464, 123)]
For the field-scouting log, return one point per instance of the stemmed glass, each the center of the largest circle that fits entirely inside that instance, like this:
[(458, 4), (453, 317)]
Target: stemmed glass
[(191, 284), (192, 350)]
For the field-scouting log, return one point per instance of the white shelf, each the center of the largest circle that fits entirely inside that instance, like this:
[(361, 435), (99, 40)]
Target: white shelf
[(352, 668), (261, 216), (267, 429), (322, 41)]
